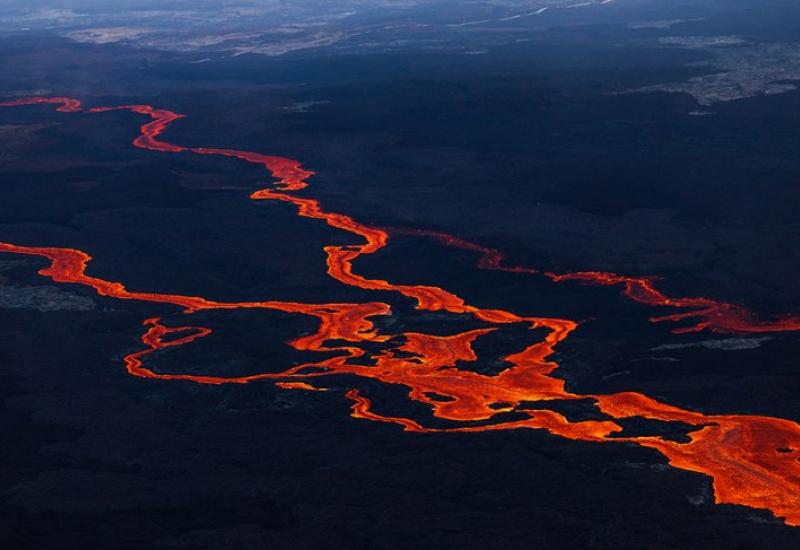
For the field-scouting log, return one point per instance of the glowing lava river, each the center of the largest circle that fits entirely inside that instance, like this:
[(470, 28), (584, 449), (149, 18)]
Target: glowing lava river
[(753, 460)]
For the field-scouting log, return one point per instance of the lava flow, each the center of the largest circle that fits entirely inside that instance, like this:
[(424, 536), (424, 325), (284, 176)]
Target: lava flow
[(712, 315), (752, 460)]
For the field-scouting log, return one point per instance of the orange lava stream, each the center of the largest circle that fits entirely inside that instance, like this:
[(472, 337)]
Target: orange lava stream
[(298, 386), (711, 314), (753, 460)]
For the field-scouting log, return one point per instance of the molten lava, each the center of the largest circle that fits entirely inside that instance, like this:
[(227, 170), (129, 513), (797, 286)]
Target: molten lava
[(753, 460), (712, 314)]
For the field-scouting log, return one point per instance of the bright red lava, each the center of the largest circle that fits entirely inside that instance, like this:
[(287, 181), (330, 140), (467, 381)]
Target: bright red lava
[(710, 314), (753, 460)]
